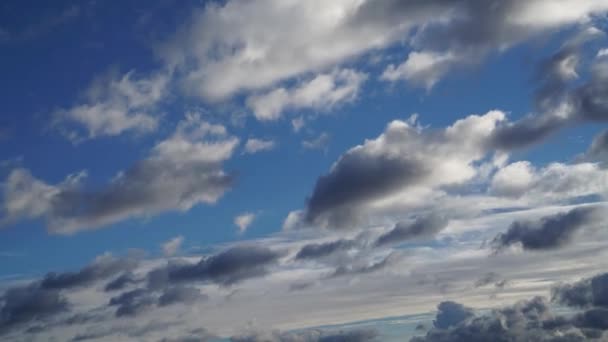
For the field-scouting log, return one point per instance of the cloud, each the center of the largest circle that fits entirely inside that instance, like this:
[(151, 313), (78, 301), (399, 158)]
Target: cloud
[(317, 143), (225, 268), (553, 182), (222, 52), (598, 151), (590, 292), (451, 314), (323, 92), (354, 335), (319, 250), (491, 278), (533, 320), (172, 246), (113, 105), (404, 157), (358, 269), (102, 267), (243, 221), (132, 303), (254, 145), (421, 68), (550, 232), (180, 294), (180, 172), (419, 228), (23, 304), (121, 282), (560, 101)]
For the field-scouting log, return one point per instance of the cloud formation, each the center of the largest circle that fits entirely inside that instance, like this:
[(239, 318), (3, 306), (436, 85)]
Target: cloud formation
[(323, 92), (180, 172), (115, 104), (421, 227), (550, 232), (404, 157)]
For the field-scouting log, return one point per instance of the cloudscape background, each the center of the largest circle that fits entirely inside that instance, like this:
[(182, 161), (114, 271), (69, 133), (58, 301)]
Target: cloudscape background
[(283, 170)]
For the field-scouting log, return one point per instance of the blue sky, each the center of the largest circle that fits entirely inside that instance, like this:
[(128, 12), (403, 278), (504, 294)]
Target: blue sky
[(467, 135)]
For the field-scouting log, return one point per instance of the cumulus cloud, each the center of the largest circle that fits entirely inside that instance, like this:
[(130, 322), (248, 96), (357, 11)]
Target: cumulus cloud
[(180, 172), (226, 268), (402, 158), (450, 314), (115, 104), (243, 221), (421, 68), (553, 182), (550, 232), (590, 292), (221, 52), (319, 250), (318, 143), (559, 101), (27, 303), (322, 93), (254, 145), (419, 228), (172, 246), (42, 299), (180, 294), (102, 267)]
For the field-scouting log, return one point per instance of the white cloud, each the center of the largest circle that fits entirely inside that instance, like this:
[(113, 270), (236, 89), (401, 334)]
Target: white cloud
[(318, 143), (421, 68), (254, 145), (323, 92), (180, 172), (114, 105), (243, 221), (172, 246), (243, 46), (555, 182)]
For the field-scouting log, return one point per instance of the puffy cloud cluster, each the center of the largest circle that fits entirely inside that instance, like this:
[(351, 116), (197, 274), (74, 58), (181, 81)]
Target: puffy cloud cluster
[(180, 172), (113, 105), (550, 232), (402, 158)]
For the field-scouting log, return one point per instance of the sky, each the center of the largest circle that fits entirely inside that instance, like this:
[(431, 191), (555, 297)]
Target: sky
[(282, 170)]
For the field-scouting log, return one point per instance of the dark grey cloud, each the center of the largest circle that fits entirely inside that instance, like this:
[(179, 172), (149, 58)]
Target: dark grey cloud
[(549, 232), (598, 151), (557, 104), (225, 268), (121, 282), (132, 303), (313, 335), (533, 320), (102, 268), (424, 226), (24, 304), (585, 293), (521, 322), (180, 294), (450, 314), (357, 178), (319, 250)]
